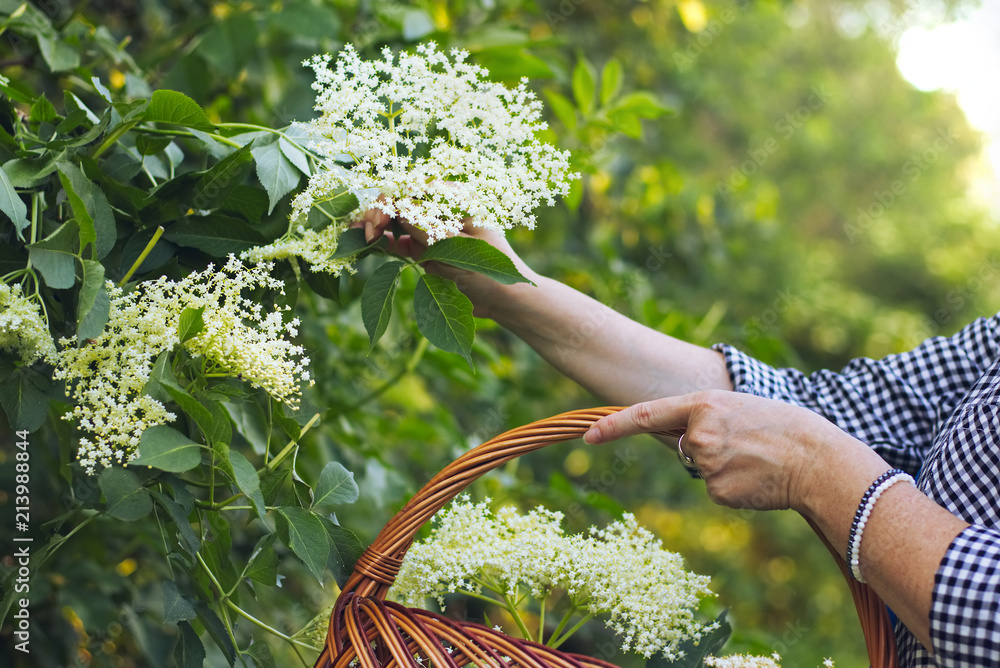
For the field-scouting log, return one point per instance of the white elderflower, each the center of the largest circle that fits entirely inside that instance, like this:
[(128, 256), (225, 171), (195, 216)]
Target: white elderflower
[(743, 661), (22, 328), (621, 572), (107, 375), (430, 134)]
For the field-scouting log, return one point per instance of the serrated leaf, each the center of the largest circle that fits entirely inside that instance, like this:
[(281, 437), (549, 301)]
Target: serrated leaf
[(335, 487), (12, 204), (295, 155), (218, 235), (170, 106), (190, 324), (127, 499), (94, 304), (91, 209), (376, 300), (167, 449), (189, 652), (444, 315), (217, 630), (189, 540), (28, 173), (307, 537), (611, 80), (584, 86), (55, 256), (475, 255), (42, 111), (260, 652), (59, 55), (175, 606), (263, 566), (640, 103), (24, 396), (248, 481), (276, 172), (151, 144), (216, 184), (201, 415), (345, 548), (349, 243)]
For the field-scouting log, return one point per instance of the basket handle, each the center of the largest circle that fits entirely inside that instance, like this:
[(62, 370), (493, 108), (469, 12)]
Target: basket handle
[(376, 569)]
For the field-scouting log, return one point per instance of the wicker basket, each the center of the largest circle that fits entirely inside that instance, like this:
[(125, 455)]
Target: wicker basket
[(367, 631)]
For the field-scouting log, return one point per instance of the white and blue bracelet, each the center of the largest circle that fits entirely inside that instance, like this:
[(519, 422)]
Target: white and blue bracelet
[(864, 511)]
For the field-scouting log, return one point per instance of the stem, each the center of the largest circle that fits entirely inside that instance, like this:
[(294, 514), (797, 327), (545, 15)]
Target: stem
[(273, 464), (180, 133), (110, 140), (516, 614), (555, 643), (246, 615), (142, 256), (561, 625), (218, 506), (541, 620)]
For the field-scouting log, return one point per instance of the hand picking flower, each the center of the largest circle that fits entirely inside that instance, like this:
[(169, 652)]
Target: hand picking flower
[(433, 136), (621, 572), (108, 375)]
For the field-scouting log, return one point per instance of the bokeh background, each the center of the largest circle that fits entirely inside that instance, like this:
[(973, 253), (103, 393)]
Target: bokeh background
[(802, 200)]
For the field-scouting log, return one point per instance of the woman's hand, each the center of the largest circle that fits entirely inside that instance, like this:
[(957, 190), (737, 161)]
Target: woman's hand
[(481, 290), (752, 452)]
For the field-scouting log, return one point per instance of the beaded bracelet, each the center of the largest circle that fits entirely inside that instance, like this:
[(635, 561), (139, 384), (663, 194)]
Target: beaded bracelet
[(882, 483)]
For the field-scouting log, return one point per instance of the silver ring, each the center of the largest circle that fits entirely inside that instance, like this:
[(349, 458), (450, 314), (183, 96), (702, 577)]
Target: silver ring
[(684, 456)]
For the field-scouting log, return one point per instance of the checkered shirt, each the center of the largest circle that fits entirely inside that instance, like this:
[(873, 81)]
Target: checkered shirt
[(934, 411)]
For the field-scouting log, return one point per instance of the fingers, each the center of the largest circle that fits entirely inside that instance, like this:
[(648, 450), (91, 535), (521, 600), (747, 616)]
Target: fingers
[(660, 415)]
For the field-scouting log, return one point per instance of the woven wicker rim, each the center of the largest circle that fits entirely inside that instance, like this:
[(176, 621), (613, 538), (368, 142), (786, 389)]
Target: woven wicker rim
[(362, 616)]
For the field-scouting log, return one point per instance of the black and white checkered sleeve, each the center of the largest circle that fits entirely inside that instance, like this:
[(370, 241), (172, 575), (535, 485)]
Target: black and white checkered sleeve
[(965, 608), (895, 404)]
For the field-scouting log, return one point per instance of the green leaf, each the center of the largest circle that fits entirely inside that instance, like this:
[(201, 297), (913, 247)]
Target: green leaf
[(94, 304), (248, 481), (345, 548), (275, 171), (216, 184), (563, 109), (190, 324), (295, 155), (201, 415), (170, 106), (584, 86), (127, 499), (263, 565), (376, 300), (175, 606), (217, 630), (167, 449), (27, 173), (151, 144), (260, 652), (307, 537), (42, 111), (55, 256), (24, 396), (189, 540), (475, 255), (444, 315), (640, 103), (611, 80), (322, 283), (59, 55), (189, 652), (12, 204), (91, 208), (217, 234), (350, 243), (335, 487), (230, 43)]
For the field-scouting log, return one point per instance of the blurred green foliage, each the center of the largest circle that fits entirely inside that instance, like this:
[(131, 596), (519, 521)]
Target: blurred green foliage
[(801, 201)]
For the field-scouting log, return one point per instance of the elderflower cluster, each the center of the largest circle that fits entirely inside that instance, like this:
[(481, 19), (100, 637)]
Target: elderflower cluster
[(621, 572), (430, 134), (22, 328), (743, 661), (108, 375)]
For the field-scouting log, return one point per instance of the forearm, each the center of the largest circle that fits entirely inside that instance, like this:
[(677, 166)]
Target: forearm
[(614, 357), (904, 539)]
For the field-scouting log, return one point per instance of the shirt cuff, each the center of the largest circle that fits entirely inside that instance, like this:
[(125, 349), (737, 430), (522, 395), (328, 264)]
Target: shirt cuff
[(965, 605)]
